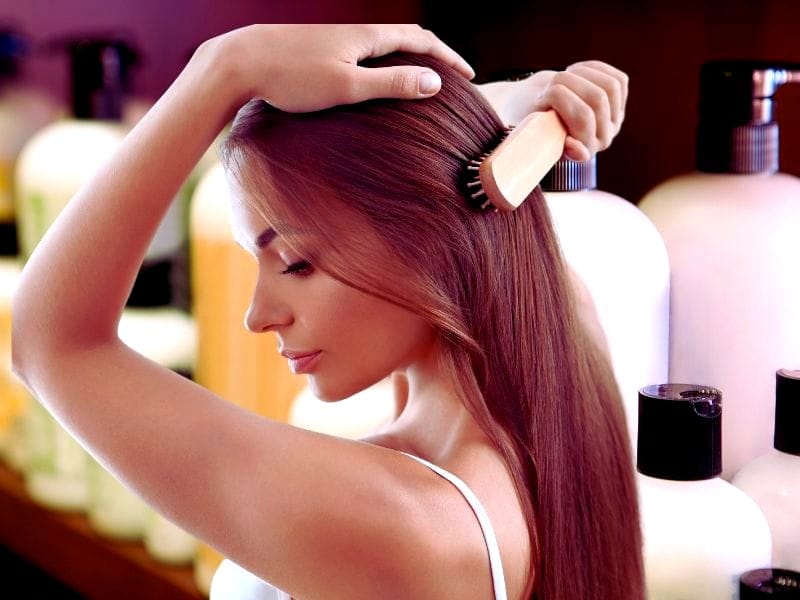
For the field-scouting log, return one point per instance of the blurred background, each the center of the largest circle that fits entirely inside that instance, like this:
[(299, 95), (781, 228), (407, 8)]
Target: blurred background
[(659, 43)]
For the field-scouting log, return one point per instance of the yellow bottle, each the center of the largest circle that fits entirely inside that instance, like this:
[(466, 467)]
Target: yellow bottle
[(13, 396), (238, 365)]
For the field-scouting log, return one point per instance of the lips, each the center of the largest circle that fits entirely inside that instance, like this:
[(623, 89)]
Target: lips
[(301, 362), (295, 355)]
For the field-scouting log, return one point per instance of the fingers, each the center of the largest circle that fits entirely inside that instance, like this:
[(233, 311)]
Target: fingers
[(413, 38), (590, 98), (613, 81), (394, 82)]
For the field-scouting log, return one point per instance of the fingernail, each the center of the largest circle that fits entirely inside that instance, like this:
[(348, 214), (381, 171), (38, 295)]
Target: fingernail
[(429, 83)]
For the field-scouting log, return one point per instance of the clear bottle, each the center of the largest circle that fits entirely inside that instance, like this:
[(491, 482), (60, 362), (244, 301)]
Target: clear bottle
[(620, 257), (731, 232), (700, 532), (773, 479)]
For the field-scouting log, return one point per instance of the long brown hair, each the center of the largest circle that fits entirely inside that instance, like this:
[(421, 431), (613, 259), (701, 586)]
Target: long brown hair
[(379, 186)]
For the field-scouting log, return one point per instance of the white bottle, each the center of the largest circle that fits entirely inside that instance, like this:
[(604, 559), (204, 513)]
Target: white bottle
[(355, 417), (700, 532), (773, 479), (731, 233), (51, 168), (620, 257)]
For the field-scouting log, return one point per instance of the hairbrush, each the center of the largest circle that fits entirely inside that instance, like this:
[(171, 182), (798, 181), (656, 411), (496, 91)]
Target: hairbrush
[(503, 178)]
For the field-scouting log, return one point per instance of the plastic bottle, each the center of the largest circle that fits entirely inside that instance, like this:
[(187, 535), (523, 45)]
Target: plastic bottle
[(731, 232), (51, 168), (620, 257), (700, 532), (240, 366), (773, 479)]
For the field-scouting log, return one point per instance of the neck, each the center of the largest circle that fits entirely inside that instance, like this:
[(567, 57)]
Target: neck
[(433, 423)]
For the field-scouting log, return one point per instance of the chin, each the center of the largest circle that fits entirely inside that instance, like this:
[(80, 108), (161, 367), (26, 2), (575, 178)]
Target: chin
[(327, 394), (331, 394)]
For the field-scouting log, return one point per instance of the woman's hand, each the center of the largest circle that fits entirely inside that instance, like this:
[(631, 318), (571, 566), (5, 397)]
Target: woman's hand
[(589, 96), (302, 68)]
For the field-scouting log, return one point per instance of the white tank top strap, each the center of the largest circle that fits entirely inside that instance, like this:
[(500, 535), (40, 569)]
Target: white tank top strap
[(495, 562)]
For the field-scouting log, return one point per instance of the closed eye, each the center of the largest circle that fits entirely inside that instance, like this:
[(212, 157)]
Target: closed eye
[(301, 269)]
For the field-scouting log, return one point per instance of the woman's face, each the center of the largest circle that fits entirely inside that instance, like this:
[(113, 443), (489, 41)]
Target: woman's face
[(361, 338)]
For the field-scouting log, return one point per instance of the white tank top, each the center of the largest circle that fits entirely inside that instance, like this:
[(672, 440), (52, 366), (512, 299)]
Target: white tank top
[(232, 582)]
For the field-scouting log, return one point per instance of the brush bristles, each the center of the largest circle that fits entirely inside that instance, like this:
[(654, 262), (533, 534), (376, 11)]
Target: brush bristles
[(474, 187)]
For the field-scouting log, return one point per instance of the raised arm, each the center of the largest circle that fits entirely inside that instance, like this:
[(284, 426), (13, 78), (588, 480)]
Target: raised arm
[(241, 482)]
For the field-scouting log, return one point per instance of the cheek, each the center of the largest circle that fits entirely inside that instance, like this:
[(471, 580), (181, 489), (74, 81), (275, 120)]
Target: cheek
[(361, 330)]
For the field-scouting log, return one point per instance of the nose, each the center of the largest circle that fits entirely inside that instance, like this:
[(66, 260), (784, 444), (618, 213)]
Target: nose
[(266, 311)]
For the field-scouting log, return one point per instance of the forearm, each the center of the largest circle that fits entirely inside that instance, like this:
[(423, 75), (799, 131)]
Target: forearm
[(77, 281)]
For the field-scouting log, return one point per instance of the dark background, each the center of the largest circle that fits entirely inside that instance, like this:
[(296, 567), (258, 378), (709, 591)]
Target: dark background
[(660, 44)]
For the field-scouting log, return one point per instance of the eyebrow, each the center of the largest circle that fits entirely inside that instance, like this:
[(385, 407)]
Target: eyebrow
[(265, 238)]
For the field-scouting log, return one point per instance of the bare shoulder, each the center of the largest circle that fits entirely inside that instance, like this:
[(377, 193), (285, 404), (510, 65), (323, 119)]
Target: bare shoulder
[(454, 542), (356, 520)]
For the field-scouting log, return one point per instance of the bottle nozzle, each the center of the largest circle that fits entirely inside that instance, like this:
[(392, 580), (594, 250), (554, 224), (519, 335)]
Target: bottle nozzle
[(737, 131)]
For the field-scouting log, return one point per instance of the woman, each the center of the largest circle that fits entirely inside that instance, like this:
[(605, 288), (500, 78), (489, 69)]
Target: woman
[(370, 258)]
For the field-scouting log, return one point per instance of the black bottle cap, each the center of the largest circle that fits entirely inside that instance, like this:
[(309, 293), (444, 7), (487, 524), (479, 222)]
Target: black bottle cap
[(153, 286), (100, 68), (571, 176), (775, 583), (680, 432), (8, 239), (787, 411)]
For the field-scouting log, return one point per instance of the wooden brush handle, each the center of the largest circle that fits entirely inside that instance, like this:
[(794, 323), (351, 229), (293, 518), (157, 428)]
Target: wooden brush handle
[(519, 163)]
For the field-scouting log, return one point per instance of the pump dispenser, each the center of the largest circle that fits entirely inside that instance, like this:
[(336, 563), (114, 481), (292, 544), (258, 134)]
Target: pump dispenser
[(773, 479), (620, 257), (56, 161), (700, 532), (731, 232)]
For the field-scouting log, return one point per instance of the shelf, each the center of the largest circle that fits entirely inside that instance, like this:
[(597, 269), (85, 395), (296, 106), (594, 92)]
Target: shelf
[(65, 546)]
